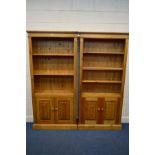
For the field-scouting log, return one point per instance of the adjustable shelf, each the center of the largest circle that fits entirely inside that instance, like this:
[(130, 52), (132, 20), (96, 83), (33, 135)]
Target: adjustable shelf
[(100, 81), (54, 93), (54, 54), (102, 68), (54, 73), (86, 94), (115, 53)]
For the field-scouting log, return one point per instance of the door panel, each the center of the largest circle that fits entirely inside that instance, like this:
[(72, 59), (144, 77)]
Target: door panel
[(88, 110), (64, 110), (45, 110), (92, 110), (111, 110)]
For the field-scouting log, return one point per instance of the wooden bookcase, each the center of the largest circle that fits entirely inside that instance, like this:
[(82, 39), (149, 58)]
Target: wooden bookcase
[(55, 74), (102, 75), (53, 77)]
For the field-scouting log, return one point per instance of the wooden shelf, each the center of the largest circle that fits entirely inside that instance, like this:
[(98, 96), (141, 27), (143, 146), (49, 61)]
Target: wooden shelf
[(51, 93), (86, 94), (100, 81), (54, 54), (54, 73), (102, 68), (117, 53)]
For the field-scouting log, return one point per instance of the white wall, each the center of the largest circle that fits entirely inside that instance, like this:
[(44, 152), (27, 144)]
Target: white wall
[(77, 15)]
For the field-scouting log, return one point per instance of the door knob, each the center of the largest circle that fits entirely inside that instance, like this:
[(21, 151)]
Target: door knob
[(98, 109)]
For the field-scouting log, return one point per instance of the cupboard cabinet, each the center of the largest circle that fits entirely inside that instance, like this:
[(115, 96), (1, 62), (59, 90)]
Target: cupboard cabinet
[(99, 110), (55, 110)]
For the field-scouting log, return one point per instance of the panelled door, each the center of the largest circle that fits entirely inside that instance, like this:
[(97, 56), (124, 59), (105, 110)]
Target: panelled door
[(45, 110), (92, 110), (112, 107), (64, 110)]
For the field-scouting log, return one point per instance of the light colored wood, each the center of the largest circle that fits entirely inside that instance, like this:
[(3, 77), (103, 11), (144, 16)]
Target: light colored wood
[(102, 68), (53, 46), (56, 35), (102, 75), (45, 110), (104, 45), (64, 110), (102, 87), (32, 80), (102, 78), (99, 127), (75, 80), (53, 66), (61, 55), (50, 84), (100, 81), (100, 53), (107, 61), (55, 126), (54, 72), (124, 64), (123, 78), (76, 32), (101, 36), (54, 94), (81, 100)]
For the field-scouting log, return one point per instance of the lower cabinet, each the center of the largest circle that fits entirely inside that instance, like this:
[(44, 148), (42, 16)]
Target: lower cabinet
[(93, 111), (100, 110), (54, 110)]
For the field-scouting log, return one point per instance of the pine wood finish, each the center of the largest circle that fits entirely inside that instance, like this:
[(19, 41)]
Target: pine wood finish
[(53, 70), (54, 74), (102, 75)]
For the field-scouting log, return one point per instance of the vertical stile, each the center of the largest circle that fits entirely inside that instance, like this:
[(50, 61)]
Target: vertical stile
[(123, 77), (32, 79), (75, 79), (81, 77)]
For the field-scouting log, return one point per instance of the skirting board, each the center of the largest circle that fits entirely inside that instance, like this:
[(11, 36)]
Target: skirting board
[(75, 127), (125, 119), (99, 127), (55, 126)]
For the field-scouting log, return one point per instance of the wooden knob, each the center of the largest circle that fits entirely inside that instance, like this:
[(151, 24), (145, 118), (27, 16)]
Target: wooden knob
[(98, 109)]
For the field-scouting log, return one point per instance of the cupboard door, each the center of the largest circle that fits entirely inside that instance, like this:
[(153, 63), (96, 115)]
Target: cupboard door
[(45, 110), (64, 110), (92, 110), (112, 106)]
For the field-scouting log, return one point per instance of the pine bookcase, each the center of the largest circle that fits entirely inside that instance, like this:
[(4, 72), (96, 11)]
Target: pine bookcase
[(66, 95), (53, 78)]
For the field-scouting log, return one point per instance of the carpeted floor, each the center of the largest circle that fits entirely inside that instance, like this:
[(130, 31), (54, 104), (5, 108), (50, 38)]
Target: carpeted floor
[(77, 142)]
